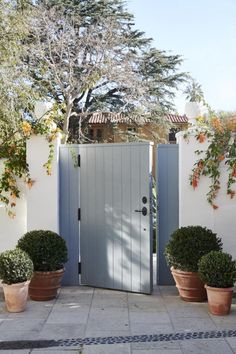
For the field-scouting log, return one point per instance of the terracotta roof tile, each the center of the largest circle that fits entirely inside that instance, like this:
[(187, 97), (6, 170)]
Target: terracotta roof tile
[(174, 118), (105, 117)]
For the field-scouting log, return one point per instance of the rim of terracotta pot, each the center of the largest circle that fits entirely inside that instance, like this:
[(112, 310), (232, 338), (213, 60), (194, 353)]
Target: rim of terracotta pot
[(181, 271), (50, 271), (17, 284), (212, 288)]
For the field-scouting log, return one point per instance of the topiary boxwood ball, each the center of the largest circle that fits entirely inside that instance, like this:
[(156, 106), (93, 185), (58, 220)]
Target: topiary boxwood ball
[(15, 266), (217, 269), (188, 244), (46, 248)]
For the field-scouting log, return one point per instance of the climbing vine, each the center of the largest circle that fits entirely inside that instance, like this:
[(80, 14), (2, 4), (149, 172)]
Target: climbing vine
[(15, 167), (221, 150)]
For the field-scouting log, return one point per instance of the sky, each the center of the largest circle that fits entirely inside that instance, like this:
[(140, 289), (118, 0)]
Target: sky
[(203, 32)]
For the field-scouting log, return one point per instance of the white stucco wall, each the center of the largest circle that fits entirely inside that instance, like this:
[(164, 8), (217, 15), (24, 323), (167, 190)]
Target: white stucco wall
[(38, 207), (43, 197), (193, 206), (12, 229)]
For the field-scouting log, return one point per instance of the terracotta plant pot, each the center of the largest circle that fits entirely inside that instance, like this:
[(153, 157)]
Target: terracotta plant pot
[(16, 296), (44, 285), (190, 286), (219, 300)]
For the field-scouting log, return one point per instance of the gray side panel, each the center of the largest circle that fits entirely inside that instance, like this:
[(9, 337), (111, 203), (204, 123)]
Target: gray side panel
[(115, 240), (168, 205), (69, 203)]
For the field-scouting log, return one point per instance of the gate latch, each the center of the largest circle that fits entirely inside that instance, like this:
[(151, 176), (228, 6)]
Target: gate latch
[(143, 211)]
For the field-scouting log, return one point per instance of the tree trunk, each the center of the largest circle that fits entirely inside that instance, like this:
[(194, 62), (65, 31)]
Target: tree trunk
[(67, 120)]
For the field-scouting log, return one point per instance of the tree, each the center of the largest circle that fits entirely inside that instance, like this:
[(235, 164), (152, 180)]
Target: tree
[(14, 91), (16, 96), (87, 56), (194, 92)]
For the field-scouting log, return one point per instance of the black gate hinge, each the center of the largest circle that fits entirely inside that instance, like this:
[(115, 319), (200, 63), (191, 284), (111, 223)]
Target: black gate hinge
[(79, 214), (78, 160), (79, 268)]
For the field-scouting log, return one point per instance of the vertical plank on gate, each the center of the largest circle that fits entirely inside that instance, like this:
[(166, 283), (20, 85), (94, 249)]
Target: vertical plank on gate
[(126, 217), (101, 244), (88, 225), (116, 217), (84, 213), (108, 221), (136, 219), (168, 205), (146, 226), (69, 225)]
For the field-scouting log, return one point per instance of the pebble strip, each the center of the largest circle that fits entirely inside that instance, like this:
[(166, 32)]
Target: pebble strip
[(115, 339)]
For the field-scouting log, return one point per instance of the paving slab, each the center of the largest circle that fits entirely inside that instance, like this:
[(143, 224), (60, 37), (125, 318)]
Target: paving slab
[(157, 351), (17, 351), (18, 324), (232, 343), (107, 333), (165, 346), (57, 351), (192, 324), (107, 349), (158, 327), (210, 346), (60, 331)]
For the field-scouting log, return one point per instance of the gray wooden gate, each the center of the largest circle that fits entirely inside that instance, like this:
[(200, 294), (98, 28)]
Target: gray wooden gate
[(168, 205), (111, 188)]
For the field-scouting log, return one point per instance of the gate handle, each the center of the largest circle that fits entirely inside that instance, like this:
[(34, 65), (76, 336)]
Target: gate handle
[(143, 211)]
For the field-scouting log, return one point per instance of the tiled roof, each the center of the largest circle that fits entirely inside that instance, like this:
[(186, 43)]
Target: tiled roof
[(105, 117), (174, 118)]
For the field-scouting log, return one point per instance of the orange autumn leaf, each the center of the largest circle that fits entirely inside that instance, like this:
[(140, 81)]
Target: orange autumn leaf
[(13, 195), (200, 164), (221, 157), (214, 206), (217, 125), (30, 183), (201, 138), (194, 183)]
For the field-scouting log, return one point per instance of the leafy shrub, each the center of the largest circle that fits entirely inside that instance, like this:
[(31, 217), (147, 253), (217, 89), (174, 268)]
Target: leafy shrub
[(15, 266), (217, 269), (188, 244), (47, 249)]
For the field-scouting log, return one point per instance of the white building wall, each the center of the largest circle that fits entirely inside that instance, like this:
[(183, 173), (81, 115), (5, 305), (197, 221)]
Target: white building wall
[(43, 197), (193, 206)]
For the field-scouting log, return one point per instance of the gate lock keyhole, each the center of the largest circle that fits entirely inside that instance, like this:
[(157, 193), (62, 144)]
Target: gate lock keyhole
[(144, 200), (143, 211)]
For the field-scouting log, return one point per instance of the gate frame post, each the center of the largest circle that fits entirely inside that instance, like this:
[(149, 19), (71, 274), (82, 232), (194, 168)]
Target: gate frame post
[(167, 206)]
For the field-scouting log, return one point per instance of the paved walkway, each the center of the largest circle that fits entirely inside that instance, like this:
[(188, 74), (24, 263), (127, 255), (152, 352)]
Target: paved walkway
[(84, 320)]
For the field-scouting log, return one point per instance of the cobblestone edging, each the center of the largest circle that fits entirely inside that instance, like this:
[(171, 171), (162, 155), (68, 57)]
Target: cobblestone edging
[(115, 340)]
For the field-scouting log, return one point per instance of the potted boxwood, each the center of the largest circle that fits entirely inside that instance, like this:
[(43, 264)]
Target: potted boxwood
[(16, 269), (48, 252), (186, 246), (218, 271)]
